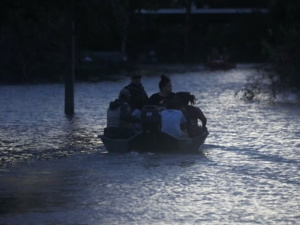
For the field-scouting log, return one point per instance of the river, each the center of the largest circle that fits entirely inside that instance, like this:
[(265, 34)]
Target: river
[(55, 170)]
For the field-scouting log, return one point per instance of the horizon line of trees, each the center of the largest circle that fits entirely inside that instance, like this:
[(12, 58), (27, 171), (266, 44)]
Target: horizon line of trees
[(33, 35)]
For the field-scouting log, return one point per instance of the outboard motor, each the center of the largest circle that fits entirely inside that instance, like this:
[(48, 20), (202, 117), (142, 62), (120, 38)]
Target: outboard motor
[(151, 118)]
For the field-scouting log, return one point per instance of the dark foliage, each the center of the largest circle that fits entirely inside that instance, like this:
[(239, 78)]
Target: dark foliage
[(281, 45), (33, 35)]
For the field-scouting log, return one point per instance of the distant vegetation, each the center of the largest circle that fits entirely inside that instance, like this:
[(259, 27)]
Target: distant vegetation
[(33, 36), (281, 45)]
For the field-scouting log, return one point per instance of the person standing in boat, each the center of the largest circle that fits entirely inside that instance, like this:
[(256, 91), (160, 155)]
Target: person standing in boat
[(214, 55), (192, 114), (173, 121), (137, 91), (225, 54), (120, 121), (165, 92)]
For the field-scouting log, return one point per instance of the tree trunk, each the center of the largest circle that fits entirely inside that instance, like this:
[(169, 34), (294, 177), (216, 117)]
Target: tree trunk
[(69, 75), (187, 32), (124, 45)]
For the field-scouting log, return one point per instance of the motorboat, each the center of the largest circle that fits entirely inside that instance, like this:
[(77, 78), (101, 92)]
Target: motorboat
[(219, 65), (152, 139), (157, 142)]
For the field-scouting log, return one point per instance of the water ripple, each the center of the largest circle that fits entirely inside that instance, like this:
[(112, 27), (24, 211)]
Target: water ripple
[(55, 169)]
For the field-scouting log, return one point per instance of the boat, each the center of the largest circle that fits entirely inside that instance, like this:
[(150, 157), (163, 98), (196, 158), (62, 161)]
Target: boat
[(152, 139), (156, 142), (219, 65)]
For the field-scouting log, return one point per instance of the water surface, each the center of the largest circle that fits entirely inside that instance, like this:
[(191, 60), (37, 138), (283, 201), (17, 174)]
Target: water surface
[(55, 170)]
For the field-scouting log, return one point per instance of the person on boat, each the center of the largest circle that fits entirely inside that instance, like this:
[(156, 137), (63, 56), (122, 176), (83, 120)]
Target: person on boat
[(138, 104), (192, 114), (225, 54), (136, 89), (165, 92), (214, 55), (172, 119), (120, 121)]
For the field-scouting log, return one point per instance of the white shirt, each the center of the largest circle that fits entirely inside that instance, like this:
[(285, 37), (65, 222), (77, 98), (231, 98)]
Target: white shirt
[(137, 113), (171, 120)]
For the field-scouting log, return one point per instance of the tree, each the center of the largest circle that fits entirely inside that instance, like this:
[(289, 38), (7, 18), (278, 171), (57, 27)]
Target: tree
[(281, 45), (282, 42), (187, 4), (31, 36)]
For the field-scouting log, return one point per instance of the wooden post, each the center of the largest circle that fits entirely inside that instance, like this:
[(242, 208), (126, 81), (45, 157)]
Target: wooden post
[(187, 31), (70, 64)]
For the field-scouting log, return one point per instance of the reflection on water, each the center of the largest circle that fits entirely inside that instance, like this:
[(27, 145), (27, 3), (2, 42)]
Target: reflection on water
[(28, 190), (55, 170)]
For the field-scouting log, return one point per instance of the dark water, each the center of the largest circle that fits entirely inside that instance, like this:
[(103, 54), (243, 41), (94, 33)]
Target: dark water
[(54, 169)]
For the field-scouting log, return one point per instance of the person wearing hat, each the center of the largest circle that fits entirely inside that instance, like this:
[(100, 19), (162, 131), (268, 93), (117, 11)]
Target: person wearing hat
[(138, 95), (120, 121)]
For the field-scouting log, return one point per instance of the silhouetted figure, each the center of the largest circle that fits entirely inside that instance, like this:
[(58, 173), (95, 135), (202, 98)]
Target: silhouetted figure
[(224, 54), (213, 55), (136, 91), (165, 92), (172, 119), (192, 114), (120, 121)]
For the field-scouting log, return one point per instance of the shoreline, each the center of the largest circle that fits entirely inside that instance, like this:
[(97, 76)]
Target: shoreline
[(98, 73)]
